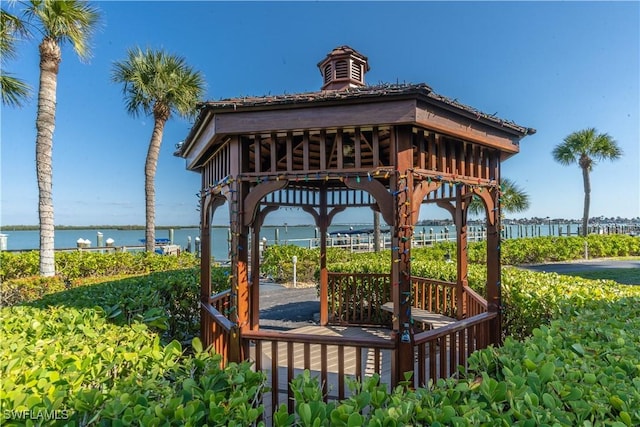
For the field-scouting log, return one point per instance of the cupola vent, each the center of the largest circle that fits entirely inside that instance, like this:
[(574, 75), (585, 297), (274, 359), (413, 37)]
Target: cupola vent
[(343, 68)]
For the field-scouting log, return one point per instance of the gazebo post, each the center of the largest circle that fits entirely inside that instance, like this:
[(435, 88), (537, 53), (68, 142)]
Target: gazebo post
[(494, 293), (254, 289), (205, 259), (460, 220), (323, 225), (402, 185), (494, 297), (239, 243)]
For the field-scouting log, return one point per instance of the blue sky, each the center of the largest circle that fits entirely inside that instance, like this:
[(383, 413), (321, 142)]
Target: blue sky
[(555, 66)]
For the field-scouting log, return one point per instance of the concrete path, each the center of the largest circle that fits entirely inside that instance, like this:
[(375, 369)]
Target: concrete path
[(287, 308)]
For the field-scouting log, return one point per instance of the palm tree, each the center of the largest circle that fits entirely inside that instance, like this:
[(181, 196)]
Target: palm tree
[(158, 84), (14, 91), (512, 199), (584, 147), (59, 22)]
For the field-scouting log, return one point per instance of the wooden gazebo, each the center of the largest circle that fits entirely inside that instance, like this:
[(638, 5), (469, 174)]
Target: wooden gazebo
[(389, 147)]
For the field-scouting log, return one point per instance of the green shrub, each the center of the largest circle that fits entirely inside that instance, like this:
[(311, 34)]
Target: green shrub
[(79, 264), (167, 302), (277, 263), (29, 289), (18, 265), (549, 249), (581, 370), (75, 364)]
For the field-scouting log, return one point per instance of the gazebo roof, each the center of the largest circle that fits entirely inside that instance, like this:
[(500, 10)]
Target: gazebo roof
[(359, 93), (418, 95)]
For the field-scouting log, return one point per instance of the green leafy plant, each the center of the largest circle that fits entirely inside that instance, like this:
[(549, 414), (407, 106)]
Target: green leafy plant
[(80, 264)]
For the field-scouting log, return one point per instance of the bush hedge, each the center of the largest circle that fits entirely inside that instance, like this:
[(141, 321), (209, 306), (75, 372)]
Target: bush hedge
[(80, 264), (584, 369), (75, 364), (277, 261), (21, 283), (112, 353), (72, 366)]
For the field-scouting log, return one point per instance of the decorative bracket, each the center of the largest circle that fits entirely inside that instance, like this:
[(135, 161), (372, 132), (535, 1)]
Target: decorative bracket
[(384, 199), (420, 191), (488, 200), (252, 200), (209, 206)]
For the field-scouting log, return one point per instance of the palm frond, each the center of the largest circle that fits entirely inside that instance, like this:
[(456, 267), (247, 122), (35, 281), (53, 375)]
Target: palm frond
[(512, 199), (585, 146), (153, 78), (70, 21), (14, 91), (11, 29)]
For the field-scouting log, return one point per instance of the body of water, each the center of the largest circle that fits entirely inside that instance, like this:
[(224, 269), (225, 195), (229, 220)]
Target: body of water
[(299, 235), (24, 240)]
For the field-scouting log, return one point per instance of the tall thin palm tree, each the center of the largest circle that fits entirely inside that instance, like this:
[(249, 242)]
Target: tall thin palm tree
[(585, 147), (159, 84), (512, 199), (59, 22), (14, 90)]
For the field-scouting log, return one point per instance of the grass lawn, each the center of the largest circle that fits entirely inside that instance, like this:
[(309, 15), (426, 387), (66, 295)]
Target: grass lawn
[(627, 276)]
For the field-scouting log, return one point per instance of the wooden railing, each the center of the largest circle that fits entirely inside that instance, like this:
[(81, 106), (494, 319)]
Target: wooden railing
[(333, 359), (336, 358), (439, 352), (474, 303), (221, 301), (436, 296), (217, 330), (356, 299)]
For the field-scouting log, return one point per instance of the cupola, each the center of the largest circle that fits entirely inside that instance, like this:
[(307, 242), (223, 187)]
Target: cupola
[(343, 68)]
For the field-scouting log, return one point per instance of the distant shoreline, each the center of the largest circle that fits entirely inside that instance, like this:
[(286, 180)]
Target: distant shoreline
[(88, 227), (125, 227), (422, 223)]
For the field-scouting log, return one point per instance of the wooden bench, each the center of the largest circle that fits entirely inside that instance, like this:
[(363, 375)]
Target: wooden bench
[(428, 318)]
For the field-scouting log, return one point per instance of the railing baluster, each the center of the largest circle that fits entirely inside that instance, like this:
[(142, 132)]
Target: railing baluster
[(340, 372), (432, 361), (275, 386), (462, 353), (442, 342), (307, 355), (323, 374), (452, 350), (290, 366), (421, 364)]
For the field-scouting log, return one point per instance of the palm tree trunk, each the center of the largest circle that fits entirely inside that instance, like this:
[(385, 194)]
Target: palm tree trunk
[(587, 201), (150, 167), (45, 124)]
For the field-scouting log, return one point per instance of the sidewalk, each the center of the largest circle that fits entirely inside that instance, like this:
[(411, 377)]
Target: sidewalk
[(282, 307)]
